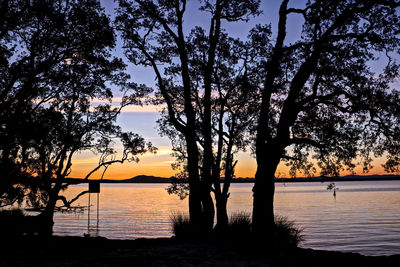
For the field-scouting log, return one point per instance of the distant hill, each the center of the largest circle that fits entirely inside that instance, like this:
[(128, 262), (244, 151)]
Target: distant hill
[(147, 179), (373, 177), (156, 179), (136, 179)]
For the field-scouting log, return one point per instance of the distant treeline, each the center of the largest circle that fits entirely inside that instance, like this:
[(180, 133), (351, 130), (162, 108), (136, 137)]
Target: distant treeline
[(155, 179)]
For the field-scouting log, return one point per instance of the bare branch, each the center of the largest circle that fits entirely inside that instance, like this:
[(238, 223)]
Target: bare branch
[(104, 164), (68, 204), (303, 12)]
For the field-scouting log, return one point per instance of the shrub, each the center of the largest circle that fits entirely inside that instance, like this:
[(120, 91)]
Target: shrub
[(287, 234), (240, 219), (16, 223), (239, 225), (181, 226), (13, 213), (10, 222)]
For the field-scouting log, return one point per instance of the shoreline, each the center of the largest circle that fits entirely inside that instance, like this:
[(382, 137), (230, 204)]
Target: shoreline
[(100, 251), (143, 179)]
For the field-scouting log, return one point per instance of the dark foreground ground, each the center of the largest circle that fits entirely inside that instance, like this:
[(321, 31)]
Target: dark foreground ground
[(80, 251)]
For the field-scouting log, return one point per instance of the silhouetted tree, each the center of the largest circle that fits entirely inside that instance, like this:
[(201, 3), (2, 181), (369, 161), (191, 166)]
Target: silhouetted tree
[(390, 143), (231, 115), (56, 67), (320, 99), (154, 34), (75, 125), (34, 43), (11, 18)]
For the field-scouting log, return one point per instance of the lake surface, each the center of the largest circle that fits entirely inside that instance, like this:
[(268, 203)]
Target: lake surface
[(364, 217)]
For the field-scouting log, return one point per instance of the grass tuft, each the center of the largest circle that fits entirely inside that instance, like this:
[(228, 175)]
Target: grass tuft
[(287, 233), (239, 225), (181, 226)]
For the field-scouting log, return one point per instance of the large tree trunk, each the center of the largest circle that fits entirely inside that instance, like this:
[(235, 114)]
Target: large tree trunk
[(221, 200), (267, 157), (47, 216), (208, 207), (195, 207), (201, 206), (222, 213), (221, 197), (263, 193), (197, 193)]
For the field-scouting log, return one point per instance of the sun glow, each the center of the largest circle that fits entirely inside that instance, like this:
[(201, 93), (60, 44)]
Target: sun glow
[(160, 165)]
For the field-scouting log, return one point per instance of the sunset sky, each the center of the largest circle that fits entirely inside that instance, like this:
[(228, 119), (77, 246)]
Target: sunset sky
[(142, 120)]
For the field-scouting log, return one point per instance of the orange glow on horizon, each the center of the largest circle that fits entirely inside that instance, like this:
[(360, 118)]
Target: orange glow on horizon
[(160, 165)]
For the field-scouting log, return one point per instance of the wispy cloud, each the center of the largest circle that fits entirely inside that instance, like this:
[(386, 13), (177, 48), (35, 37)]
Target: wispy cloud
[(117, 100)]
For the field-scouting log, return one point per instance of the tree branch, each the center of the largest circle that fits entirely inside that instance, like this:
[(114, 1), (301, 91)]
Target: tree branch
[(171, 112), (153, 13), (298, 11), (76, 198), (104, 164), (308, 141)]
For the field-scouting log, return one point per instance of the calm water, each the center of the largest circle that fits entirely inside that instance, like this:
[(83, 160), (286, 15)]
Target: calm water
[(364, 217)]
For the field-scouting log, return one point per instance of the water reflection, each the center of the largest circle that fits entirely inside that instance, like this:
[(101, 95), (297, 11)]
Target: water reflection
[(364, 217), (93, 230)]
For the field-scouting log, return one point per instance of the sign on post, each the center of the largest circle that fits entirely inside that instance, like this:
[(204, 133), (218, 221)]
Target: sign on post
[(94, 186)]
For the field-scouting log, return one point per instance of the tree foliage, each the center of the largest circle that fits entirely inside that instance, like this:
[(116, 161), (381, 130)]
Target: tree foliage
[(154, 34), (231, 114), (321, 102), (57, 73)]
